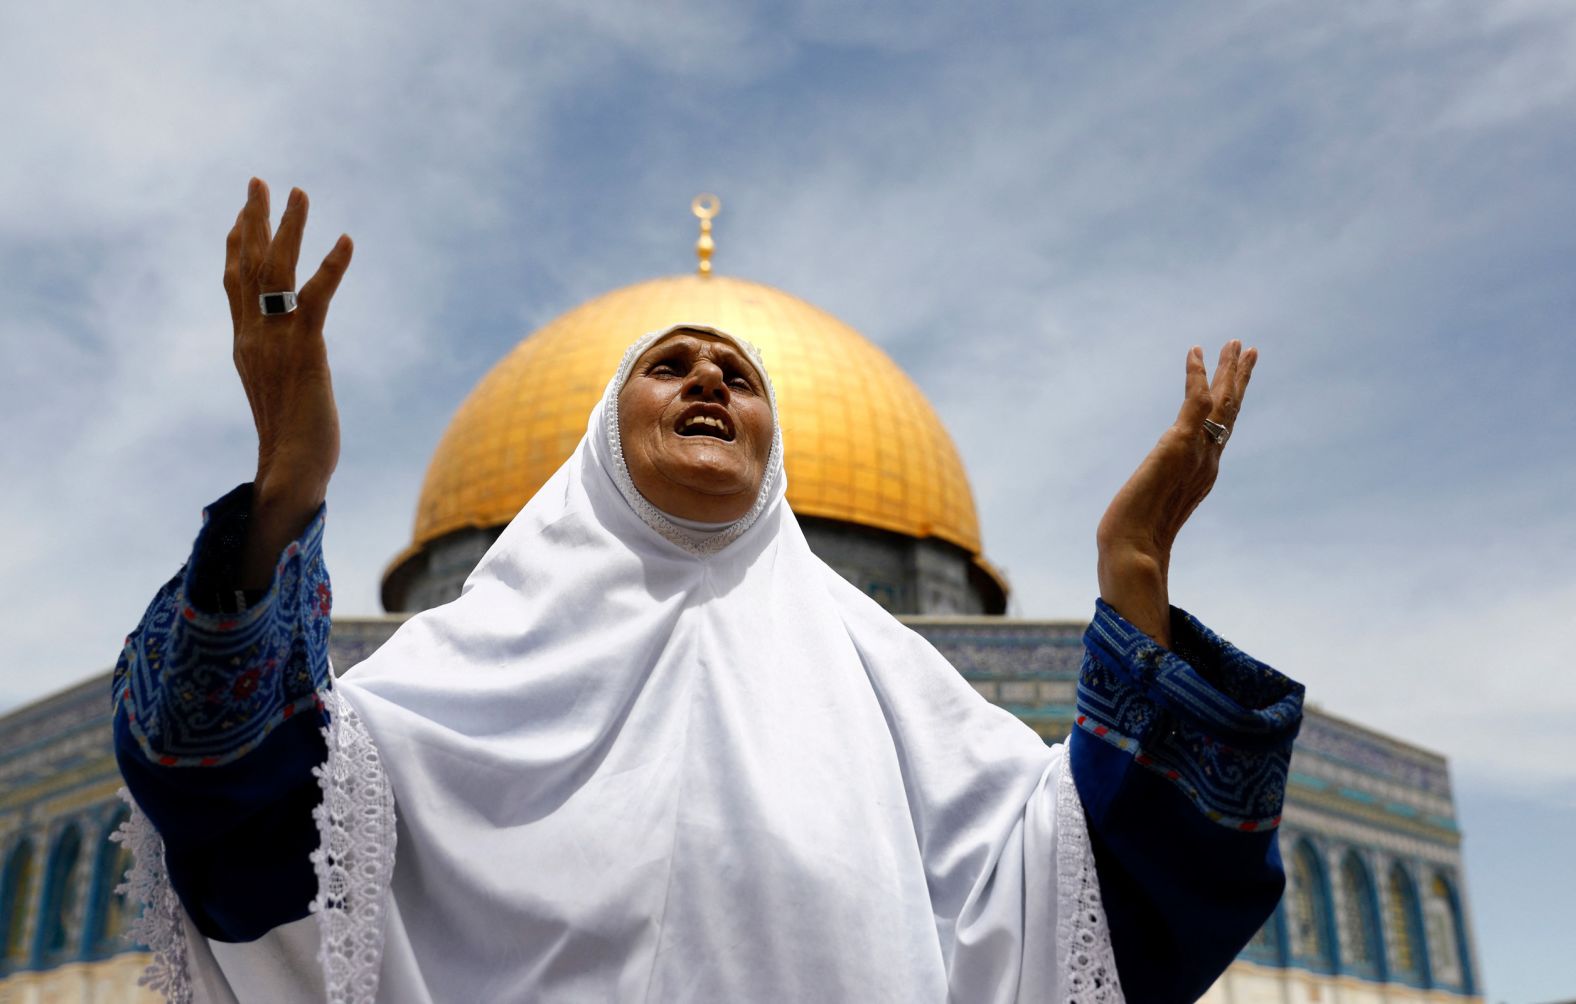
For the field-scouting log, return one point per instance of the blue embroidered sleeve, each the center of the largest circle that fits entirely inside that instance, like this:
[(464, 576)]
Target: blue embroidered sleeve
[(217, 718), (1180, 760)]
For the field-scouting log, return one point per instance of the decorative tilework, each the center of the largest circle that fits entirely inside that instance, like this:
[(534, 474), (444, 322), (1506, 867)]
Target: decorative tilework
[(1002, 649), (201, 688), (1346, 744), (353, 639)]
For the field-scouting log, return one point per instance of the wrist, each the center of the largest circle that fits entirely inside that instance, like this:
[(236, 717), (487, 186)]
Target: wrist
[(278, 516), (275, 496), (1133, 583), (1137, 567)]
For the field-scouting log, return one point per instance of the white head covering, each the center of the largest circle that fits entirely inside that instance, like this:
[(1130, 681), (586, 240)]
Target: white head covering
[(639, 762), (686, 533)]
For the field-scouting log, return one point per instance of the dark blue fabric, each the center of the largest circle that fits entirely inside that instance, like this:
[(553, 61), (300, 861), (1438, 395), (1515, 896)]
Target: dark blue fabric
[(238, 837), (217, 725), (1189, 865)]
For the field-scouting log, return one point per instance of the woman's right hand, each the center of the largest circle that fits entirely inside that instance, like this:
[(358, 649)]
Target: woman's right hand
[(283, 363)]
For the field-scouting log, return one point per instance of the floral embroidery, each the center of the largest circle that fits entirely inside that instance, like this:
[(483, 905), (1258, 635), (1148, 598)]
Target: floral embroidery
[(202, 689), (1218, 724), (245, 685)]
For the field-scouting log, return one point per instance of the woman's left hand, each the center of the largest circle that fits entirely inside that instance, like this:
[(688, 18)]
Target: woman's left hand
[(1142, 522)]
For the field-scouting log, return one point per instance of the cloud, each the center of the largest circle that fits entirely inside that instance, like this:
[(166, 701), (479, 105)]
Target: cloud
[(1035, 213)]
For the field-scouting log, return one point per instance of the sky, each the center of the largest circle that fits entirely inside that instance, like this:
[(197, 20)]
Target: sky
[(1034, 208)]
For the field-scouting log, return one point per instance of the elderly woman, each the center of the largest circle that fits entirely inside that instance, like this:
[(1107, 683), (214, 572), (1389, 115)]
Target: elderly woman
[(657, 750)]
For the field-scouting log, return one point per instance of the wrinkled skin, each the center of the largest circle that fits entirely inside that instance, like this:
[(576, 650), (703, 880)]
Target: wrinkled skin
[(712, 474)]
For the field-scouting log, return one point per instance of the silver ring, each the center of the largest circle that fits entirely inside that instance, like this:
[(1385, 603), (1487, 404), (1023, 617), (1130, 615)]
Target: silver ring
[(277, 303), (1219, 433)]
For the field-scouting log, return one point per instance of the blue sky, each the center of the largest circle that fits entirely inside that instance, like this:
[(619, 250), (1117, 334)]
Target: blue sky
[(1035, 208)]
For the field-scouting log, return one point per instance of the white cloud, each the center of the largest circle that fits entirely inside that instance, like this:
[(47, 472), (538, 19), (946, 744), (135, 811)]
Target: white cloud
[(1036, 218)]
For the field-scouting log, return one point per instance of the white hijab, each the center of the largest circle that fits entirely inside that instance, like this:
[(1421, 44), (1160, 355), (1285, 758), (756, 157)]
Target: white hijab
[(638, 761)]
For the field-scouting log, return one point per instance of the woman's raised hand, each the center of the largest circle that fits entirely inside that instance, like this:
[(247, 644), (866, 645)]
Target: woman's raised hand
[(1142, 522), (283, 363)]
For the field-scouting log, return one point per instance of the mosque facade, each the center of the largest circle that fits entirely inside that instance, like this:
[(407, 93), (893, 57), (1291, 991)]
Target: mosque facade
[(1375, 908)]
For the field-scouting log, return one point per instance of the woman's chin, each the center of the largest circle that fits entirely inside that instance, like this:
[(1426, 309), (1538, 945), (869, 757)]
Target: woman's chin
[(709, 482)]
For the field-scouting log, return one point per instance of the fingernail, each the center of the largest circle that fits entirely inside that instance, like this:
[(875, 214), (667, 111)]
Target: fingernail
[(294, 200), (252, 188)]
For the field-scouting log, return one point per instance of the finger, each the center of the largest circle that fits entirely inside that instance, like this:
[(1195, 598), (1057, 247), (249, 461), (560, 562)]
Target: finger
[(254, 235), (314, 297), (1224, 388), (1223, 366), (279, 267), (1250, 359), (1196, 398), (232, 269)]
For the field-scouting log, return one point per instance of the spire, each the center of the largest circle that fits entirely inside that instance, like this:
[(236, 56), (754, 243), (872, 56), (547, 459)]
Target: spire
[(705, 206)]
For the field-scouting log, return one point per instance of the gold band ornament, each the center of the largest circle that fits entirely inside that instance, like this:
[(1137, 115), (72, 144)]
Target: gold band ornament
[(705, 206)]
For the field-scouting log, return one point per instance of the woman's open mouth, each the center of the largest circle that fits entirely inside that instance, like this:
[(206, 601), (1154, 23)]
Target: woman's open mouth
[(706, 423)]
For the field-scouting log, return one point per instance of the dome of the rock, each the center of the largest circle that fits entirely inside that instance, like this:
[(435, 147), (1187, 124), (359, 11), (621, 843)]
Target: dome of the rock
[(863, 447)]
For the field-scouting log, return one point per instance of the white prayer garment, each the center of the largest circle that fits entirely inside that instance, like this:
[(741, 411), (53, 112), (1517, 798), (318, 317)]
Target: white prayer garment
[(638, 760)]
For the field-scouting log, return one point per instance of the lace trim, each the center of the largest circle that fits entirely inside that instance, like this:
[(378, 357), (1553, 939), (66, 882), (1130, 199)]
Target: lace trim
[(1083, 941), (355, 856), (160, 924)]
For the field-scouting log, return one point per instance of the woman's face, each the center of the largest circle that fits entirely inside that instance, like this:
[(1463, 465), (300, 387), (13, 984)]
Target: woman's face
[(696, 427)]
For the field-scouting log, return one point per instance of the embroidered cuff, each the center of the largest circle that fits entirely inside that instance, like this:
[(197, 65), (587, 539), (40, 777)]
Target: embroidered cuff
[(1206, 716), (201, 687)]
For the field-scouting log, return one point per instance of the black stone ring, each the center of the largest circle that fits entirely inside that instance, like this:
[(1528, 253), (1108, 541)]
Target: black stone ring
[(277, 303)]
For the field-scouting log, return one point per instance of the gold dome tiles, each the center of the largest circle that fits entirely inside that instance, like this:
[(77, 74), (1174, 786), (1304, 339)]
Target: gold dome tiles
[(863, 445)]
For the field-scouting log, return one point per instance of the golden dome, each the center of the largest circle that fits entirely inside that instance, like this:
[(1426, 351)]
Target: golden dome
[(862, 444)]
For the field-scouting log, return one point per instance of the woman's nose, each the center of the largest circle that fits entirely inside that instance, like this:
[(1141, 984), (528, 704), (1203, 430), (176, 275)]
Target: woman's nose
[(706, 382)]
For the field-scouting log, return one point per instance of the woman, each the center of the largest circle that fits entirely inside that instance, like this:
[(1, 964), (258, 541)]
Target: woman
[(659, 751)]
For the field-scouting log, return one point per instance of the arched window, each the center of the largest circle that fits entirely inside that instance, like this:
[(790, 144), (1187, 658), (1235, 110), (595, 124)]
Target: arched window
[(60, 896), (1363, 949), (16, 893), (107, 914), (1269, 944), (1447, 952), (1405, 927), (1312, 935)]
